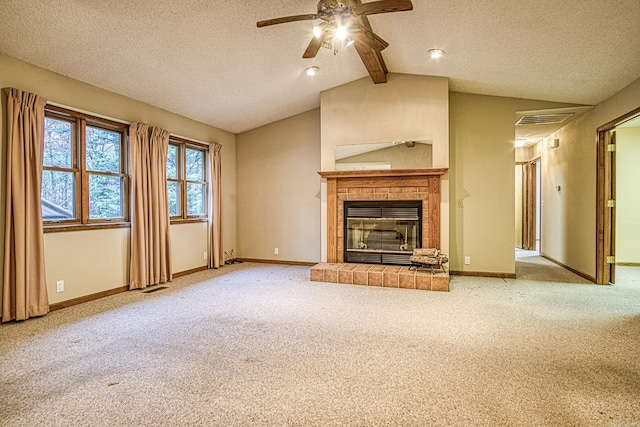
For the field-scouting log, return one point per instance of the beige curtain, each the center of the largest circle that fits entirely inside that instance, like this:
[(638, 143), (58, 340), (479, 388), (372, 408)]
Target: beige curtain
[(216, 252), (24, 291), (150, 233)]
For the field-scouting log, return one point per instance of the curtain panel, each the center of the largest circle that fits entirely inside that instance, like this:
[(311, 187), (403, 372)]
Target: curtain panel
[(216, 252), (24, 289), (150, 231)]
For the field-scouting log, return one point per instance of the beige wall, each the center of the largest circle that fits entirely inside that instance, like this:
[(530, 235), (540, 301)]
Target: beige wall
[(97, 260), (407, 108), (536, 150), (524, 154), (482, 183), (189, 243), (569, 216), (627, 200), (278, 190)]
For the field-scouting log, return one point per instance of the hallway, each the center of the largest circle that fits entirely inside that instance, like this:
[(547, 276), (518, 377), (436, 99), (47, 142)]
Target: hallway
[(531, 266)]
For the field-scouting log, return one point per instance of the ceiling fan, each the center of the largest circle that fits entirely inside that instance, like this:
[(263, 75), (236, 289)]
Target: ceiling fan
[(345, 23)]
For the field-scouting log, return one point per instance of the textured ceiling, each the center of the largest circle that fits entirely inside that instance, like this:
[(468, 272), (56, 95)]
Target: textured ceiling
[(207, 60)]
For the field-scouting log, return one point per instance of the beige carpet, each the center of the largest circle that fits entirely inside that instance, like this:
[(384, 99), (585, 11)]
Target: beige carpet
[(257, 344)]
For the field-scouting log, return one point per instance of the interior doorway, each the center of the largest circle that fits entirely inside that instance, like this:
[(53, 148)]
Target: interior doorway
[(617, 210)]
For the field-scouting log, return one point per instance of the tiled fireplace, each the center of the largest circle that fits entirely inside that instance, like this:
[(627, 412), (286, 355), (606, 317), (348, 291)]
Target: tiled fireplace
[(420, 186)]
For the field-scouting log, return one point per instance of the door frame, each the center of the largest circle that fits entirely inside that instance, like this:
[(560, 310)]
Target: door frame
[(605, 190), (529, 191), (522, 191), (529, 223)]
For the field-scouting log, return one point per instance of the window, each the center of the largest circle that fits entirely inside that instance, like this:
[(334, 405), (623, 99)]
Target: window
[(186, 180), (83, 178)]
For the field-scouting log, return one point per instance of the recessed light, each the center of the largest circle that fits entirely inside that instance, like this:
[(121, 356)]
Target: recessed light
[(435, 53), (311, 71)]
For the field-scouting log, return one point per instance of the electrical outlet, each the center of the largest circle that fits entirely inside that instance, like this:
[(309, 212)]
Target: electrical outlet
[(467, 260), (204, 256), (60, 286), (461, 203), (275, 251)]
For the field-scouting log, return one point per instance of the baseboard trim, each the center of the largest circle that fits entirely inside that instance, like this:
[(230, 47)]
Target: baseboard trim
[(193, 270), (87, 298), (274, 261), (483, 274), (566, 267), (628, 264)]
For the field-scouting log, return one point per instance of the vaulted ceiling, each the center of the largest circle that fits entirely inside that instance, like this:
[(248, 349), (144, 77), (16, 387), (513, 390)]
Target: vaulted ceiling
[(207, 60)]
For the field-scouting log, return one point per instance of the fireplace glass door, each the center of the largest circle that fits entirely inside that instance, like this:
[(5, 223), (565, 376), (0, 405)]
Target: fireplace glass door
[(382, 232)]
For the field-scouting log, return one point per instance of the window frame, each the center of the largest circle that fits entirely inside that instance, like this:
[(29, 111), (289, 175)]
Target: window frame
[(182, 145), (82, 220)]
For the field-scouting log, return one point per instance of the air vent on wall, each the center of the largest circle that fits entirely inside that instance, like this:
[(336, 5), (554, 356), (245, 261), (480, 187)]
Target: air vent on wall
[(543, 119)]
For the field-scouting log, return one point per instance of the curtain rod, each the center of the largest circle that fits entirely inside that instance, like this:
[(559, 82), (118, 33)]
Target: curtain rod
[(91, 113), (102, 116)]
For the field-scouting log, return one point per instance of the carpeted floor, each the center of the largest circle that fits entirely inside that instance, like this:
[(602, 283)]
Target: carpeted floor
[(256, 344)]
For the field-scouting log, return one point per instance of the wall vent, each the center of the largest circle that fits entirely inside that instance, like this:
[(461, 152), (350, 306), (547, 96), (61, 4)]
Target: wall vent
[(543, 119)]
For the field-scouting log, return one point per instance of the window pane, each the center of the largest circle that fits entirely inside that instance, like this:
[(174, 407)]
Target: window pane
[(172, 162), (105, 197), (58, 195), (195, 199), (103, 150), (194, 165), (173, 189), (58, 143)]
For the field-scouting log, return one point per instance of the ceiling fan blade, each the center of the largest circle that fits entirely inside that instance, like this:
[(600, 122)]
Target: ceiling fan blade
[(287, 19), (316, 43), (383, 6), (373, 62), (368, 37), (313, 48)]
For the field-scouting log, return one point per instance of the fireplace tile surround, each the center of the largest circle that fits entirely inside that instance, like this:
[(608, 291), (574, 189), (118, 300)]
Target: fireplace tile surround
[(399, 184)]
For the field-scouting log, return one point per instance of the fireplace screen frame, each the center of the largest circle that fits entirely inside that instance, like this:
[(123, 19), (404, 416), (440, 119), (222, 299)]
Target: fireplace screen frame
[(392, 216)]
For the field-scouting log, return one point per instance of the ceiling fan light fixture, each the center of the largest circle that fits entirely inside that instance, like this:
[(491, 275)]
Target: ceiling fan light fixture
[(312, 71), (341, 33), (435, 53), (343, 21), (317, 31)]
